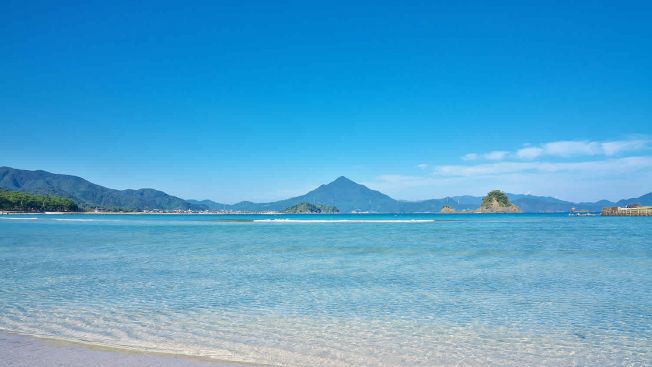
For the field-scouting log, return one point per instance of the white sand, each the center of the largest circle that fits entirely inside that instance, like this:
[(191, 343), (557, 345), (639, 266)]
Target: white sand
[(26, 351)]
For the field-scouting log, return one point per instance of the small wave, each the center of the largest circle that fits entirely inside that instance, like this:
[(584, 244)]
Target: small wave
[(14, 218), (344, 220), (77, 220)]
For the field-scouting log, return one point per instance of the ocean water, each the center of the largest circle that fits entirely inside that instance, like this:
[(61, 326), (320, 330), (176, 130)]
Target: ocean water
[(340, 290)]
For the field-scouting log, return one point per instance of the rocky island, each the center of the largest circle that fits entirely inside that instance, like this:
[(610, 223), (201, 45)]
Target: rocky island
[(497, 202), (447, 210), (308, 208)]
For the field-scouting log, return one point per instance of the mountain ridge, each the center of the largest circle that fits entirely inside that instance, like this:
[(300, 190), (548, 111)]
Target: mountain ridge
[(87, 194), (526, 202), (343, 193)]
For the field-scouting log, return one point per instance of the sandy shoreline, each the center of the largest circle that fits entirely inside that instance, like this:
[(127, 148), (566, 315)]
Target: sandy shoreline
[(18, 350)]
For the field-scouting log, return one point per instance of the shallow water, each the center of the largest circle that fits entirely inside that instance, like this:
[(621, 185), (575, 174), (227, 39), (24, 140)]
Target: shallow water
[(356, 290)]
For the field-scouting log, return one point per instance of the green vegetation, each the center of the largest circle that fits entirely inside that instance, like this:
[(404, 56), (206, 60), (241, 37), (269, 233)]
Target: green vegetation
[(307, 208), (22, 202), (89, 195), (497, 202), (498, 196)]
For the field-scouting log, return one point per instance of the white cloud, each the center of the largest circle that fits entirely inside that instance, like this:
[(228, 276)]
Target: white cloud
[(496, 155), (572, 148), (423, 166), (613, 179), (566, 149), (569, 169), (620, 146), (610, 166), (529, 153)]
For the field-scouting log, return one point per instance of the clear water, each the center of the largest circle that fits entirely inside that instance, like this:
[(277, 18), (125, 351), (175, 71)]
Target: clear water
[(358, 290)]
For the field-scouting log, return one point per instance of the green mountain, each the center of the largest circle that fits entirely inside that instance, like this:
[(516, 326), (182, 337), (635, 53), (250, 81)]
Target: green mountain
[(342, 193), (89, 195), (350, 196), (24, 202), (644, 200), (307, 208), (209, 204)]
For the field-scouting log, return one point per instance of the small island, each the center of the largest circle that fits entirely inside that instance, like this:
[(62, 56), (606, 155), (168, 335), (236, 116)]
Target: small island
[(447, 210), (497, 202), (308, 208)]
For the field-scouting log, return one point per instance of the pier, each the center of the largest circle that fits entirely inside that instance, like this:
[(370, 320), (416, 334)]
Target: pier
[(636, 211)]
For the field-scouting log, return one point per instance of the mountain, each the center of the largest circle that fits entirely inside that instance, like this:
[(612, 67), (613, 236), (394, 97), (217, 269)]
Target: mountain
[(350, 196), (644, 200), (89, 195), (346, 195), (307, 208), (342, 193), (209, 204)]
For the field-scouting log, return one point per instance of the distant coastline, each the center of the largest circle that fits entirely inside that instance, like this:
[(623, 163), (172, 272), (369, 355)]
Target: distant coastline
[(342, 193)]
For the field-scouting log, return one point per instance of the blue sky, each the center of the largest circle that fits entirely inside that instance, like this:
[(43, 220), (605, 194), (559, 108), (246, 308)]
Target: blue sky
[(264, 100)]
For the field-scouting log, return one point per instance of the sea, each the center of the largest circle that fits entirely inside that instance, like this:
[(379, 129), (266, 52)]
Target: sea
[(336, 290)]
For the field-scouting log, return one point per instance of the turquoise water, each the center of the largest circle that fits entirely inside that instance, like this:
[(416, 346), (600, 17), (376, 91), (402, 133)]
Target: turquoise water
[(341, 290)]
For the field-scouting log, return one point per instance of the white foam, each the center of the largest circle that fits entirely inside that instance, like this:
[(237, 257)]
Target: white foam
[(344, 220), (77, 220), (14, 218)]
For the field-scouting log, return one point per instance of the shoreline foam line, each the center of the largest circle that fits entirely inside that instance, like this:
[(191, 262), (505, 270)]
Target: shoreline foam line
[(344, 220)]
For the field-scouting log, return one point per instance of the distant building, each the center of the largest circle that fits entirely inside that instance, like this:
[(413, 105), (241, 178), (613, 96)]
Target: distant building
[(632, 210)]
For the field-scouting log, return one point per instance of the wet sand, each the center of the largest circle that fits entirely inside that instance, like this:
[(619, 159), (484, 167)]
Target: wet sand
[(26, 351)]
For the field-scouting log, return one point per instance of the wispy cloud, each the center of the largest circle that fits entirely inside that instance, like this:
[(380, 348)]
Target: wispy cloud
[(496, 155), (566, 149), (570, 169), (610, 166), (584, 148), (529, 153)]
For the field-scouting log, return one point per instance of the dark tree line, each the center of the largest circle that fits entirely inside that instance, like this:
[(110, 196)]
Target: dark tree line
[(24, 202)]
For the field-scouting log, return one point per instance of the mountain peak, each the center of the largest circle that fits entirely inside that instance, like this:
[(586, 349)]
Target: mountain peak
[(343, 180)]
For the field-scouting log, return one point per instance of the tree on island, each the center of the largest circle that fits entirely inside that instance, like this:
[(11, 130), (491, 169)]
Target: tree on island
[(497, 202)]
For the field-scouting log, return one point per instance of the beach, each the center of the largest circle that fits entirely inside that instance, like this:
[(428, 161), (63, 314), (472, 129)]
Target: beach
[(330, 290), (26, 351)]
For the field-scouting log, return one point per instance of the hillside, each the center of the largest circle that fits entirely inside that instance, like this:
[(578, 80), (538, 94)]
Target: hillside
[(24, 202), (308, 208), (343, 193), (497, 202), (86, 194), (209, 204), (349, 196), (645, 200)]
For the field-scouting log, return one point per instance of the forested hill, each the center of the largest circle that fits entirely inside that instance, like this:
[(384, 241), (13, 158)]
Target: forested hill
[(87, 194), (24, 202), (343, 193)]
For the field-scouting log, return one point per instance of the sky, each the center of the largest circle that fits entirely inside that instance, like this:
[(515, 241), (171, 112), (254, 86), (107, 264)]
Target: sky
[(232, 100)]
